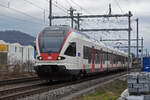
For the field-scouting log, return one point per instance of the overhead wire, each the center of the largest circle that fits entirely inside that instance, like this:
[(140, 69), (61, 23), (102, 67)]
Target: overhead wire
[(18, 11), (103, 19), (80, 6), (84, 10), (23, 20), (117, 21), (60, 6), (119, 6), (64, 10), (69, 3), (37, 6), (34, 5)]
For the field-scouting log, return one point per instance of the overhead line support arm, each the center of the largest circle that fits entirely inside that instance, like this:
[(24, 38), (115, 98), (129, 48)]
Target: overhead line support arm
[(91, 16)]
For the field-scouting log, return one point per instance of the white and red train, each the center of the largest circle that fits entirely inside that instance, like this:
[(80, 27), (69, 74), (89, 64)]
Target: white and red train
[(63, 53)]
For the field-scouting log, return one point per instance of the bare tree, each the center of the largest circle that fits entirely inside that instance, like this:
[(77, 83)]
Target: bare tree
[(28, 66), (14, 62)]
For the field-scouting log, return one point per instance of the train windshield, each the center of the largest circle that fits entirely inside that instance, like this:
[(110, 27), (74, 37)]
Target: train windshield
[(51, 41)]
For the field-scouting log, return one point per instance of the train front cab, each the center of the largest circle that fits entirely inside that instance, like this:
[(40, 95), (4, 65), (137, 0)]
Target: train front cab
[(63, 68)]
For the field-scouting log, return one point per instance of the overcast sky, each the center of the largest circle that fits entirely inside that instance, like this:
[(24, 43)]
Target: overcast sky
[(28, 15)]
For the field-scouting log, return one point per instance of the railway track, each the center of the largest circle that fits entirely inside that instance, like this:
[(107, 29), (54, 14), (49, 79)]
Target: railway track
[(20, 88), (38, 88), (19, 80)]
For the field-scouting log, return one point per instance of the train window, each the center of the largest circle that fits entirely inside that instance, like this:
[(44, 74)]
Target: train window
[(89, 55), (104, 57), (111, 58), (71, 50), (117, 59), (123, 60), (85, 52), (108, 58), (97, 56), (126, 59)]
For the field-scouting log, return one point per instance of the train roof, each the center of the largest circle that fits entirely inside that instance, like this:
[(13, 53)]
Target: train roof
[(86, 37), (109, 48), (56, 27)]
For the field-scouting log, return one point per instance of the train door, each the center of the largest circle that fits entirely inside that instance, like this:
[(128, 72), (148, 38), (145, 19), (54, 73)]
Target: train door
[(79, 54), (71, 55)]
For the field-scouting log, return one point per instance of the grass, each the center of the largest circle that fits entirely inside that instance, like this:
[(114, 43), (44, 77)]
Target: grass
[(110, 91)]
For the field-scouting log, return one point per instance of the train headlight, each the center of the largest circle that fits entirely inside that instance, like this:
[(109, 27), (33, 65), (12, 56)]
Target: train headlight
[(60, 58), (40, 57)]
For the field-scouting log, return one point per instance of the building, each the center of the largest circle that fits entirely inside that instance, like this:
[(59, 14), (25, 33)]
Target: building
[(16, 52)]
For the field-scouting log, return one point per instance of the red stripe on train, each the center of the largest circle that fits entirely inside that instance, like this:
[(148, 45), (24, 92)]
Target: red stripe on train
[(101, 60), (65, 40), (93, 60), (83, 66), (51, 56)]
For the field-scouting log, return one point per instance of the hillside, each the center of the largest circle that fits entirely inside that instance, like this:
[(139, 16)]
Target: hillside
[(17, 36)]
